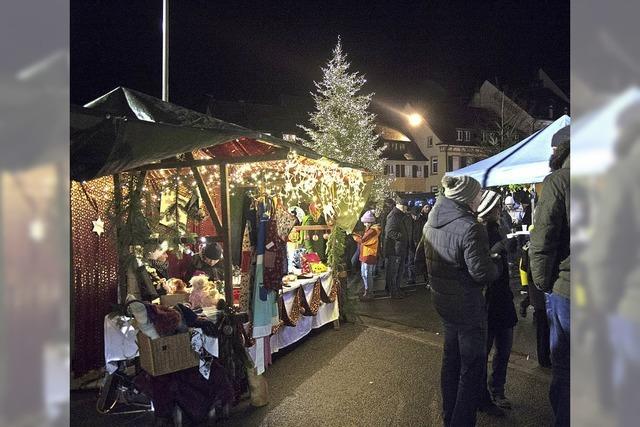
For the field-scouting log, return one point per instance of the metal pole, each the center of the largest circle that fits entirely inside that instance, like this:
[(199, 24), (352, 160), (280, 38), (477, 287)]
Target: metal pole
[(165, 50), (226, 232)]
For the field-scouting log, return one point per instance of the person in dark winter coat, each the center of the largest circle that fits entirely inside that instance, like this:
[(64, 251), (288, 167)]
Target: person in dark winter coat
[(500, 309), (550, 259), (613, 272), (537, 300), (459, 264), (397, 234), (418, 226), (207, 260)]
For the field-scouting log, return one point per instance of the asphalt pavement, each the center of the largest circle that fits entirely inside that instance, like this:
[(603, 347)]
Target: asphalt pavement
[(382, 370)]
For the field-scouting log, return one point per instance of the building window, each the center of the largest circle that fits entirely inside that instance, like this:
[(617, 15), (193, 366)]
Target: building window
[(400, 168), (415, 172), (453, 163), (467, 135), (289, 137), (434, 166), (459, 137), (386, 169), (398, 171), (391, 170), (425, 171), (429, 141)]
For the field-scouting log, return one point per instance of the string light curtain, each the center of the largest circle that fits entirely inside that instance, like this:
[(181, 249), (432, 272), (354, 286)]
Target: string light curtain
[(94, 272)]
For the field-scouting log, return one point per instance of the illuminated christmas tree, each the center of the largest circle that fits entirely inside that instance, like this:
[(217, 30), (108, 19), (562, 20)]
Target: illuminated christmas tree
[(343, 129)]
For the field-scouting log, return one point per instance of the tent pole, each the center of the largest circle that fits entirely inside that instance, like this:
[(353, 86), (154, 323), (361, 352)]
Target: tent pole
[(122, 274), (165, 50), (226, 231)]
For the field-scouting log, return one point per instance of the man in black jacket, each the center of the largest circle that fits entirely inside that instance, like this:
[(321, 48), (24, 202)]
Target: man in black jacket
[(419, 268), (397, 234), (459, 264), (550, 260)]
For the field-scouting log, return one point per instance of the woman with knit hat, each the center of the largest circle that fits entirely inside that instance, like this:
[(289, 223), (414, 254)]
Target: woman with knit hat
[(368, 244), (460, 266), (500, 309)]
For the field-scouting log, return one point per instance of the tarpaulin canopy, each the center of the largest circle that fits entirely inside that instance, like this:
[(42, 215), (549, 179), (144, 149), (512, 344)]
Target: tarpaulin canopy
[(594, 136), (126, 129), (524, 163)]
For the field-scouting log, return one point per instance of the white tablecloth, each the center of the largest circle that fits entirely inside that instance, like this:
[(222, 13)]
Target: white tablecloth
[(120, 341), (288, 335)]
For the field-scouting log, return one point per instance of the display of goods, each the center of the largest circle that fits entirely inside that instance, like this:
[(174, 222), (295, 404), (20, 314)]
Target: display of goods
[(297, 257), (307, 260), (318, 267)]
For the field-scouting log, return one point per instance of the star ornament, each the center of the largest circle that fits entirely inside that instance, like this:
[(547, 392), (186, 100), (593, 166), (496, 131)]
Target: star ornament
[(98, 226)]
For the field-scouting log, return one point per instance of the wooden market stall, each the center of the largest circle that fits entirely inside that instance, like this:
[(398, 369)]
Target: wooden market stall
[(126, 143)]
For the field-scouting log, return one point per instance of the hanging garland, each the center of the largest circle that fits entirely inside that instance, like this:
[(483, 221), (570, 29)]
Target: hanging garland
[(332, 295), (311, 307)]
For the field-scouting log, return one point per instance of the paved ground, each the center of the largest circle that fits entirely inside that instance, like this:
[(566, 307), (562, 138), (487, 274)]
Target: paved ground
[(417, 311), (382, 371)]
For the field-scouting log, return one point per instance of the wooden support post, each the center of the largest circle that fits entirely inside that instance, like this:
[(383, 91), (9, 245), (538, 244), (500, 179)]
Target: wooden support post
[(122, 273), (206, 198), (226, 233)]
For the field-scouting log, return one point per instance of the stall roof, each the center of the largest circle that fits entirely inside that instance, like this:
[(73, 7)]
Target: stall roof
[(524, 163), (126, 129)]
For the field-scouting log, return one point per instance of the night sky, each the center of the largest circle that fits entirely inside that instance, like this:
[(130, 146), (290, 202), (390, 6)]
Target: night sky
[(256, 51)]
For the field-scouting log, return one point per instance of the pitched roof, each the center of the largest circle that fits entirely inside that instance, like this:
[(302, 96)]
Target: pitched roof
[(401, 150), (447, 118), (125, 129)]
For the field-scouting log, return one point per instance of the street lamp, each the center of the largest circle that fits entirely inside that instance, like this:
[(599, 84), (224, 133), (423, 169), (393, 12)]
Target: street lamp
[(415, 119)]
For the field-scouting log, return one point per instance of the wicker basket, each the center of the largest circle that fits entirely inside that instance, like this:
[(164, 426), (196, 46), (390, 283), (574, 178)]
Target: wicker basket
[(174, 299), (166, 354)]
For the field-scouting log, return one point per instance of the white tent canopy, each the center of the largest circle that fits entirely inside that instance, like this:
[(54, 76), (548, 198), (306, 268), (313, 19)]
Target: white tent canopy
[(593, 136), (523, 163)]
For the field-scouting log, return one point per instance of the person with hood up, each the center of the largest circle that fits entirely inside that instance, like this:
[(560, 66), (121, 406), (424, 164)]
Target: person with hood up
[(368, 243), (397, 233), (457, 256), (501, 312)]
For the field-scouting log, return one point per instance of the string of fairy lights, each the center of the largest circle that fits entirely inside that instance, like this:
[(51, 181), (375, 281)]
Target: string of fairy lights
[(339, 190)]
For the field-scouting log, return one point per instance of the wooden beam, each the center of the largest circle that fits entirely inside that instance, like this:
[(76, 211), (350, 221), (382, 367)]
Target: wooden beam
[(175, 164), (206, 198), (178, 164), (122, 271), (226, 232), (312, 227)]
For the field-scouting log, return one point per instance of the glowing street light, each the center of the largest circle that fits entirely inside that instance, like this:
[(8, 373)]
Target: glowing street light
[(415, 120)]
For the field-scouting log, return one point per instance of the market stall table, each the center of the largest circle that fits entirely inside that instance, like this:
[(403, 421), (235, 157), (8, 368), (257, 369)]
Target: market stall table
[(120, 341), (304, 323)]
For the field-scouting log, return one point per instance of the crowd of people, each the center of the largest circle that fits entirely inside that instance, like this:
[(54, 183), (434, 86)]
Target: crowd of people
[(460, 245)]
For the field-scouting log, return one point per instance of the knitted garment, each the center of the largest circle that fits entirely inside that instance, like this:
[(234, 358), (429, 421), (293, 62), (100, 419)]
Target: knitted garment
[(265, 308), (489, 201), (247, 268), (274, 258), (462, 189)]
